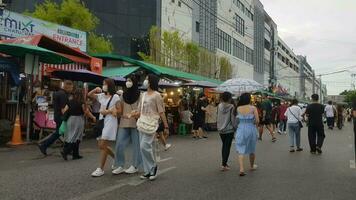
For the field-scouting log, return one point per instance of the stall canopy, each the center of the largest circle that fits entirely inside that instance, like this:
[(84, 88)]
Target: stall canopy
[(119, 71), (159, 70), (71, 53)]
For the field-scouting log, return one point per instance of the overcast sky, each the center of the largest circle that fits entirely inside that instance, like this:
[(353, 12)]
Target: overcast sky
[(324, 31)]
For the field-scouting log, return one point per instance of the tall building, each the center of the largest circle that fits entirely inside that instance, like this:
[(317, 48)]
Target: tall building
[(307, 78)]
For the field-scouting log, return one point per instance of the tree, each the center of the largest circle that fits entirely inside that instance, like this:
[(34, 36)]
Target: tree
[(74, 14), (350, 97), (225, 68)]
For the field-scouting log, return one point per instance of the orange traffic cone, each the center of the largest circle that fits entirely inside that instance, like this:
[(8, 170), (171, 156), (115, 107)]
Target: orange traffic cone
[(16, 133)]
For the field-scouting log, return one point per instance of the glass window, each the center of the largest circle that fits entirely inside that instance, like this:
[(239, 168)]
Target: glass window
[(249, 55), (224, 41), (238, 50), (197, 27), (240, 25), (179, 3)]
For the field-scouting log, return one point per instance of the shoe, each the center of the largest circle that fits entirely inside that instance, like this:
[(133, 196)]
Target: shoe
[(42, 149), (167, 147), (313, 152), (259, 138), (97, 173), (285, 132), (205, 137), (318, 150), (299, 149), (292, 150), (254, 167), (145, 176), (118, 170), (64, 155), (131, 170), (279, 132), (274, 139), (153, 176), (242, 174), (77, 157)]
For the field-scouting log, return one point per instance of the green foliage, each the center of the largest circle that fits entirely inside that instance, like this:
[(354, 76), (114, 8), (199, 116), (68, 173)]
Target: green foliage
[(169, 49), (350, 97), (74, 14), (225, 68)]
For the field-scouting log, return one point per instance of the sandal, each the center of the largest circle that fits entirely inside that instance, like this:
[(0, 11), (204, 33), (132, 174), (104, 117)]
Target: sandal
[(254, 167), (274, 139), (242, 174)]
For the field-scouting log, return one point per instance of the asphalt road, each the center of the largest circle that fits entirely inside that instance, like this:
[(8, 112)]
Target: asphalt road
[(190, 170)]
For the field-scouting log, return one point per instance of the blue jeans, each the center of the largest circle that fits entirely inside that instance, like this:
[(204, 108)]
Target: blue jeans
[(123, 137), (54, 136), (294, 134)]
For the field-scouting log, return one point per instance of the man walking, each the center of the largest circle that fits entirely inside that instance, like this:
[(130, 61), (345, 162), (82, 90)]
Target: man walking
[(60, 99), (330, 114), (266, 107), (316, 134), (282, 126)]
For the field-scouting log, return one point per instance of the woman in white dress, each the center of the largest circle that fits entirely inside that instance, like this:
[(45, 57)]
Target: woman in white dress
[(109, 108)]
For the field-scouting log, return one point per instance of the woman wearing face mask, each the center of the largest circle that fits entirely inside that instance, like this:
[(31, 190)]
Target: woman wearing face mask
[(150, 106), (127, 129), (109, 108)]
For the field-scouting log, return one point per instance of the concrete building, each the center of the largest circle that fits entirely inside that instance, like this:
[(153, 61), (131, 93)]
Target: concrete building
[(307, 78)]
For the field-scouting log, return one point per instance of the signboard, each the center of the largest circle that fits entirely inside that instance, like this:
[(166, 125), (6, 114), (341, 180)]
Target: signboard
[(14, 25)]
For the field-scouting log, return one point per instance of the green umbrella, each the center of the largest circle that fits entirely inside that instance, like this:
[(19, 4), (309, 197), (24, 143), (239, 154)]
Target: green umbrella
[(44, 55)]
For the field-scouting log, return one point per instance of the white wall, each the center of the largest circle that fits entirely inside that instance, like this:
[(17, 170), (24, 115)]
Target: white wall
[(177, 18)]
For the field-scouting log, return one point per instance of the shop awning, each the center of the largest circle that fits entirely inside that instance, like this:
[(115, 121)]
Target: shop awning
[(119, 71), (159, 70)]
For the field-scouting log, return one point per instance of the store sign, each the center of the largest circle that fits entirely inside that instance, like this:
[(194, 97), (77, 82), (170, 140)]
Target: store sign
[(14, 25)]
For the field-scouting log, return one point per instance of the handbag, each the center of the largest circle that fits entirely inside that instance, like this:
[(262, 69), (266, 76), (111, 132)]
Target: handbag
[(63, 128), (147, 124), (234, 125), (100, 124), (299, 122)]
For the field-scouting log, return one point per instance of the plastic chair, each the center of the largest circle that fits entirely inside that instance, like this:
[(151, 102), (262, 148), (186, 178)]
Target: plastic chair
[(182, 130)]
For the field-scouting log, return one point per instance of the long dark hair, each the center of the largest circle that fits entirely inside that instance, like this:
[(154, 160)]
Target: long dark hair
[(153, 81), (111, 86), (132, 94), (78, 96), (245, 99)]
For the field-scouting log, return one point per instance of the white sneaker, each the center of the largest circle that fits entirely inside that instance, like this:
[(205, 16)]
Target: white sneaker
[(167, 147), (97, 173), (131, 170), (118, 170)]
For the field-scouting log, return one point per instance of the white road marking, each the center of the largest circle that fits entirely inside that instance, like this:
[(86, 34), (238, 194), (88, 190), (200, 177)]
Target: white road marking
[(132, 181), (352, 164), (164, 159)]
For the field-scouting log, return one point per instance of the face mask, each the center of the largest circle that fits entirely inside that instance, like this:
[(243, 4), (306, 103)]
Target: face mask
[(145, 83), (129, 84), (105, 88)]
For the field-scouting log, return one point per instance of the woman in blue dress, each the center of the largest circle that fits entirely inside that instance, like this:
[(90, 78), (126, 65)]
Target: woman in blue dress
[(246, 133)]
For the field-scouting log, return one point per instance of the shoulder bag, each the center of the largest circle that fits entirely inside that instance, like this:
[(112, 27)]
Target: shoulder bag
[(147, 124), (299, 122), (100, 124)]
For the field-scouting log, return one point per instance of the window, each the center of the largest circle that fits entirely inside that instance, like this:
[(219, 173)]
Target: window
[(267, 63), (238, 50), (267, 45), (249, 55), (197, 27), (224, 41), (173, 1), (179, 4), (240, 25)]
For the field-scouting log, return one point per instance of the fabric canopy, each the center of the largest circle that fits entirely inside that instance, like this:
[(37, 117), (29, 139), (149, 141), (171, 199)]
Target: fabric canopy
[(119, 71), (159, 70)]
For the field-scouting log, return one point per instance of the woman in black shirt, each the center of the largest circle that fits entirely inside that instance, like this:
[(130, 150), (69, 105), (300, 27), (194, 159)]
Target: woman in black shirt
[(75, 111)]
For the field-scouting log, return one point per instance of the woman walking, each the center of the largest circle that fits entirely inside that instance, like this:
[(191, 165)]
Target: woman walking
[(150, 109), (109, 107), (225, 124), (128, 130), (294, 118), (246, 134), (74, 114)]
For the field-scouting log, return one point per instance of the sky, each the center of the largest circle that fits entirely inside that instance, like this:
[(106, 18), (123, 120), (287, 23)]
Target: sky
[(322, 30)]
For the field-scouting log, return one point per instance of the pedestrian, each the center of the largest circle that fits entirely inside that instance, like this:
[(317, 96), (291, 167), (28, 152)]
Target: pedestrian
[(109, 108), (199, 118), (340, 116), (316, 135), (294, 118), (151, 108), (274, 116), (246, 133), (163, 136), (353, 113), (330, 114), (60, 99), (266, 107), (75, 110), (128, 129), (282, 126), (186, 117), (226, 127)]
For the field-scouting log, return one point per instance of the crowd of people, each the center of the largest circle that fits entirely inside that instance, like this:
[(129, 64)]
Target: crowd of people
[(139, 118)]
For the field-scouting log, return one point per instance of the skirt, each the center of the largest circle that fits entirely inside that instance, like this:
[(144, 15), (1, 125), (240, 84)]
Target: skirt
[(75, 129)]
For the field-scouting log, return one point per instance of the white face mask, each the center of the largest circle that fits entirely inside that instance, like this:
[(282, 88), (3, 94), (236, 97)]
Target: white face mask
[(129, 84), (105, 88), (145, 83)]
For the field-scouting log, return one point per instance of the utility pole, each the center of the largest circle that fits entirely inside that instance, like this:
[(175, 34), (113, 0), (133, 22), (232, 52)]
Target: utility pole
[(353, 81)]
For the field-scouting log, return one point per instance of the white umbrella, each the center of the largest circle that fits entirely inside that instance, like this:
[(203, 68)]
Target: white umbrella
[(239, 86)]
